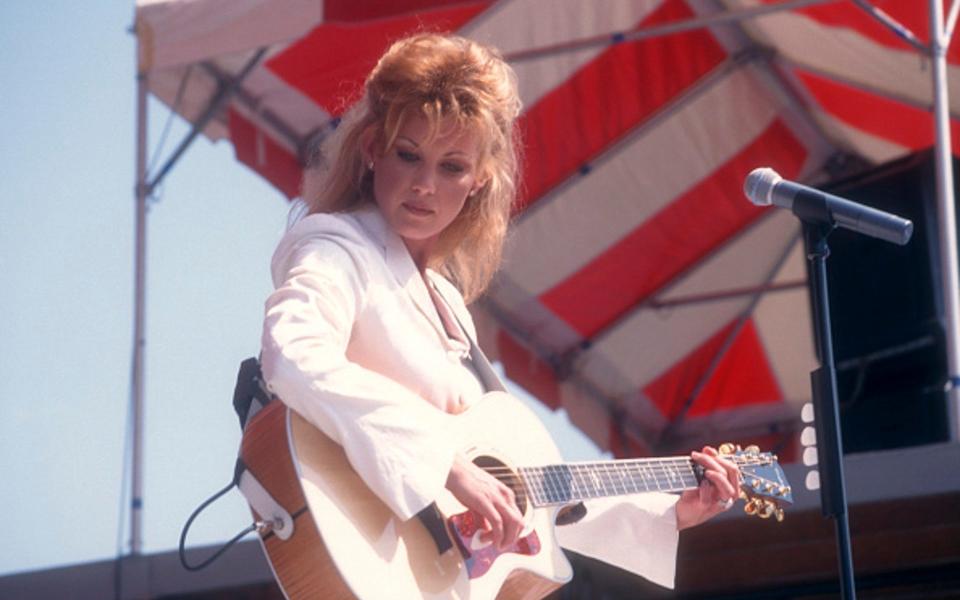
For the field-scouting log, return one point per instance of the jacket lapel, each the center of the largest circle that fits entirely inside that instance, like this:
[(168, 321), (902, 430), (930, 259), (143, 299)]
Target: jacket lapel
[(401, 265)]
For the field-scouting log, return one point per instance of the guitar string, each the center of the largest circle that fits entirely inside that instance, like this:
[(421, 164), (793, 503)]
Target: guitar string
[(671, 470), (552, 489), (638, 463), (660, 471)]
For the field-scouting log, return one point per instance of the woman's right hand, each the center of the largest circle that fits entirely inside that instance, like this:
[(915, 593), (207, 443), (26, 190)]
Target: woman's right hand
[(484, 494)]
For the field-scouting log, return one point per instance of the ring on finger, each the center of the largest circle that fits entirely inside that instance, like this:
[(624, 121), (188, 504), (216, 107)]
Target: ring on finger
[(725, 504)]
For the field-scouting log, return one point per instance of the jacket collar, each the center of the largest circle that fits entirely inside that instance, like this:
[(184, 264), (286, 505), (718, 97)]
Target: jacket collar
[(400, 264)]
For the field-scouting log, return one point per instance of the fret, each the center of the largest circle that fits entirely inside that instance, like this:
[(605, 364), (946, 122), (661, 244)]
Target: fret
[(549, 485), (632, 485), (649, 477), (597, 471), (663, 484), (593, 489), (533, 481), (644, 477), (582, 481), (669, 475), (615, 471), (549, 490), (602, 477), (615, 476), (576, 482), (689, 477), (559, 477), (543, 486), (620, 483), (675, 477)]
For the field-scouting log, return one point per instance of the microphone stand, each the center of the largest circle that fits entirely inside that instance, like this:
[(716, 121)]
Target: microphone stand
[(833, 495)]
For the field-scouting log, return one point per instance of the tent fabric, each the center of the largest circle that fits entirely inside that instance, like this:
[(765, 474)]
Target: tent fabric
[(641, 292)]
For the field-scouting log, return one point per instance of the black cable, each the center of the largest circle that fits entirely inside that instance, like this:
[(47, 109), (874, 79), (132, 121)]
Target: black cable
[(225, 547)]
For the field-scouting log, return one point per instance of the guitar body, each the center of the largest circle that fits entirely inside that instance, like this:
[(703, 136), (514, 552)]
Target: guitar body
[(346, 543)]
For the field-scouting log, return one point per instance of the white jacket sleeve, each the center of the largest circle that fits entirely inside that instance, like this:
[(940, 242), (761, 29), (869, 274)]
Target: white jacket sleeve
[(636, 533), (400, 445)]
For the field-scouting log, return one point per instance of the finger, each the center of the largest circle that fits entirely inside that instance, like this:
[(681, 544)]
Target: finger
[(722, 466), (496, 526), (709, 463), (512, 525), (512, 519), (721, 485), (721, 459), (733, 472), (705, 490)]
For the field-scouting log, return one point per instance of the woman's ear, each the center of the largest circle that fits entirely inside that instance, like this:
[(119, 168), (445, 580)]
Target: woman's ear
[(478, 184)]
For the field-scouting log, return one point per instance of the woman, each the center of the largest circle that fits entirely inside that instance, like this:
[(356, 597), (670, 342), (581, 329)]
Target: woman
[(367, 335)]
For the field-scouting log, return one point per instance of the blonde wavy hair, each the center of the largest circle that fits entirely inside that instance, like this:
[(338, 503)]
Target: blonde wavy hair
[(447, 79)]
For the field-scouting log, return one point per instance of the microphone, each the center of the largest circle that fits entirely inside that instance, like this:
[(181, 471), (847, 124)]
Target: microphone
[(764, 186)]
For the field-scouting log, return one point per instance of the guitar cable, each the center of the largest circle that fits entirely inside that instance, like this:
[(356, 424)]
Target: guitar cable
[(237, 471)]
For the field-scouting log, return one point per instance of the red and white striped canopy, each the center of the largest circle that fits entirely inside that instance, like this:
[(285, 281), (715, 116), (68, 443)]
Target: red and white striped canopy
[(641, 292)]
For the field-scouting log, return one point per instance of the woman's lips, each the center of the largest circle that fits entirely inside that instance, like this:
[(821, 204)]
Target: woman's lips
[(417, 210)]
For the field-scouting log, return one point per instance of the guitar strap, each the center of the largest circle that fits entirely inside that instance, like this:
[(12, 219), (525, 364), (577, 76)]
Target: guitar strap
[(488, 377), (478, 360), (250, 393)]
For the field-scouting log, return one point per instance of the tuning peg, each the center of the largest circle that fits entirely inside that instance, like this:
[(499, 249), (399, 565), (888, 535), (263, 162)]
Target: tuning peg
[(751, 507), (752, 450), (767, 511), (727, 448), (778, 514)]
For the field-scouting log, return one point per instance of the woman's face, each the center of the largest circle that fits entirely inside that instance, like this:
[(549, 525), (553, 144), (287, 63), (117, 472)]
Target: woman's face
[(420, 184)]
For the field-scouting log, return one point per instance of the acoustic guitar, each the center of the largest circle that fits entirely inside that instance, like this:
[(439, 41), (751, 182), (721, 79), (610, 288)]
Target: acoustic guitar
[(340, 541)]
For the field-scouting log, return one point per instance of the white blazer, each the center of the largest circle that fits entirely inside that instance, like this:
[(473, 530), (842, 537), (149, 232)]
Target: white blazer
[(353, 342)]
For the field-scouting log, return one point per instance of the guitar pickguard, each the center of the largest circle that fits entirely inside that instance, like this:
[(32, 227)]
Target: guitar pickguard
[(479, 560)]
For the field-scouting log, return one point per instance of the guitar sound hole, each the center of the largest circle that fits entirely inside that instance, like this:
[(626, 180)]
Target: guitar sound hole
[(506, 476)]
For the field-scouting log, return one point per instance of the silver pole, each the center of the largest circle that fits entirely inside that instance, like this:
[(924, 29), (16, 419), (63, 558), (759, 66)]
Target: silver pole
[(137, 387), (946, 213)]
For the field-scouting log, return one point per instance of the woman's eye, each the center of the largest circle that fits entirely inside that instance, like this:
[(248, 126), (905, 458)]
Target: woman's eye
[(452, 167), (407, 156)]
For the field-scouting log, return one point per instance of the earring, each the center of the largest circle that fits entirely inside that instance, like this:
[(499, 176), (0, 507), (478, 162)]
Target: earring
[(370, 165)]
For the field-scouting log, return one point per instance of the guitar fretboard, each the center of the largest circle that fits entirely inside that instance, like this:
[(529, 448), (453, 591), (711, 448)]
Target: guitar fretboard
[(562, 484)]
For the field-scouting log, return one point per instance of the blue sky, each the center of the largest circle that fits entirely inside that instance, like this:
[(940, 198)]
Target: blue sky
[(67, 128)]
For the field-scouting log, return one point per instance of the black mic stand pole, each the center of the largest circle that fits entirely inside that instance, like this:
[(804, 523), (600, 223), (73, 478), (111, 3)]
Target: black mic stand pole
[(833, 495)]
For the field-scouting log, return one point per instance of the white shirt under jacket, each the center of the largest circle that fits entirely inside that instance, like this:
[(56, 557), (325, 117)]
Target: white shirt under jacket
[(353, 343)]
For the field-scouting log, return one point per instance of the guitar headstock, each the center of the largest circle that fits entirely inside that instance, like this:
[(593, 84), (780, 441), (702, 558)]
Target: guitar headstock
[(762, 482)]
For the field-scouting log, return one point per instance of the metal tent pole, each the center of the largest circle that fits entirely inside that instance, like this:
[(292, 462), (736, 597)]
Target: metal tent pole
[(946, 213), (137, 385), (144, 188)]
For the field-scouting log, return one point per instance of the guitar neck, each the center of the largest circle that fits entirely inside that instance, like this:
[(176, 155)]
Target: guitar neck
[(565, 483)]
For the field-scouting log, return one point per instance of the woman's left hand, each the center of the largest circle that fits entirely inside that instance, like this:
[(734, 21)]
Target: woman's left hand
[(717, 492)]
